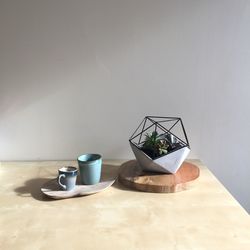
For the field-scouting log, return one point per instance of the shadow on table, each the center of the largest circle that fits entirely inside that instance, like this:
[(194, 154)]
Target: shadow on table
[(111, 172), (32, 187), (114, 171)]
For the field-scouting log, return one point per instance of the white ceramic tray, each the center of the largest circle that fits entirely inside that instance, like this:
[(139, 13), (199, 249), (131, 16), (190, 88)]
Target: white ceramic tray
[(51, 189)]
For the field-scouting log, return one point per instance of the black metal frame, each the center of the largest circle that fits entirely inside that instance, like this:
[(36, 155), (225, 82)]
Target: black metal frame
[(160, 126)]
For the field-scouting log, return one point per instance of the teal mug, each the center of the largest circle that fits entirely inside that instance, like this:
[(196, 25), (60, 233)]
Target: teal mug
[(90, 166), (67, 178)]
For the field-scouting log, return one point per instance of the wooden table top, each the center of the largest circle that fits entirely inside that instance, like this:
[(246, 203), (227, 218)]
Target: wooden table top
[(203, 217)]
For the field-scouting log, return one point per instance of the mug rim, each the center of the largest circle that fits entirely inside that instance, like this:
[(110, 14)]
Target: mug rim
[(97, 157), (65, 169)]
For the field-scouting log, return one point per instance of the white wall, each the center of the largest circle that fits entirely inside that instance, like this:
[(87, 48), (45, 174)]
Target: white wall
[(78, 76)]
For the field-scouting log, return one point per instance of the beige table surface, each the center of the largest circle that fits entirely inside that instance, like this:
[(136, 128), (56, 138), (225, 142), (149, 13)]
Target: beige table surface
[(204, 217)]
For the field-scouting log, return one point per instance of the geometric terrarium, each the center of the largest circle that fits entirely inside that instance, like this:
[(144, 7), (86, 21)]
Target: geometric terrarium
[(160, 144)]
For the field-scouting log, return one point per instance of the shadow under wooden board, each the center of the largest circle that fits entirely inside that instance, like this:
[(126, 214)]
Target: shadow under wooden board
[(131, 175)]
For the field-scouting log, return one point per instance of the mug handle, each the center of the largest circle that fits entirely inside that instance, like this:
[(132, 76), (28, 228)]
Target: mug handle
[(59, 181)]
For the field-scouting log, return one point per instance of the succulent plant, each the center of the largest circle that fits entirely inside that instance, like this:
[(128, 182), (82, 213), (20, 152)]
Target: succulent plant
[(154, 145)]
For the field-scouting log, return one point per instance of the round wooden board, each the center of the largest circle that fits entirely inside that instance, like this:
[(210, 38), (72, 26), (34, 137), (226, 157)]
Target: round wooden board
[(132, 176)]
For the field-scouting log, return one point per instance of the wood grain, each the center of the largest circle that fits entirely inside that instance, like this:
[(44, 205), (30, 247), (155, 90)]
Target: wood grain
[(206, 217), (132, 176)]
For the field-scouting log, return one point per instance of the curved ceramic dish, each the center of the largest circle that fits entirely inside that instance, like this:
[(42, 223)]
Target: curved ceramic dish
[(51, 189)]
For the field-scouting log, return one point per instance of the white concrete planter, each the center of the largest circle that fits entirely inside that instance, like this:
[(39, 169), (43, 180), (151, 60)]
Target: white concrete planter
[(168, 163)]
